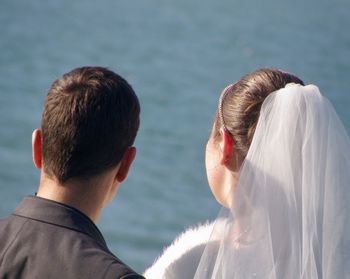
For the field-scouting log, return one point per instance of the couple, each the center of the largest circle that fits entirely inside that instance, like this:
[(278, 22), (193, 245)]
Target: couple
[(277, 160)]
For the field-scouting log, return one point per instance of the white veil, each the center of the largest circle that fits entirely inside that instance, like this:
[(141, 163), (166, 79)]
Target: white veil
[(290, 212)]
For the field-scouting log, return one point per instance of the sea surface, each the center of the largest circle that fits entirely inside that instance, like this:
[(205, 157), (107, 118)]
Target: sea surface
[(178, 55)]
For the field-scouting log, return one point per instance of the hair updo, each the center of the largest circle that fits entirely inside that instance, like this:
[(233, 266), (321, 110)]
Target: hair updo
[(239, 107)]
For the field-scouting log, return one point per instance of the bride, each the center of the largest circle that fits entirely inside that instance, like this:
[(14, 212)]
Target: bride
[(278, 160)]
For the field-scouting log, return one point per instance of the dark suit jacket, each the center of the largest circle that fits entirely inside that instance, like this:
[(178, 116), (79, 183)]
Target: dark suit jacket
[(46, 239)]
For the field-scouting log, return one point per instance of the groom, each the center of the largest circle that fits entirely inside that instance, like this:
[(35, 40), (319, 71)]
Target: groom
[(84, 150)]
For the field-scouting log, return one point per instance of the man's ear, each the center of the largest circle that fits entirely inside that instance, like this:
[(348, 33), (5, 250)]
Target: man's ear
[(36, 148), (227, 148), (125, 164)]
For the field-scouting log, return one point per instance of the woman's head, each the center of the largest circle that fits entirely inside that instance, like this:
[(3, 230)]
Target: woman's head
[(236, 119), (240, 105)]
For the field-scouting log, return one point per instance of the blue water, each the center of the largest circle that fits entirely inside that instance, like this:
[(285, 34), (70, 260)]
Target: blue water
[(178, 55)]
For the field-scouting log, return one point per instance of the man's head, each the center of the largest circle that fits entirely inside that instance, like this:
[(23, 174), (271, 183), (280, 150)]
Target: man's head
[(90, 118)]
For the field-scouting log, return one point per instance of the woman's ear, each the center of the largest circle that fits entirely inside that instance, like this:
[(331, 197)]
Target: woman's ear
[(36, 148), (227, 148), (125, 164)]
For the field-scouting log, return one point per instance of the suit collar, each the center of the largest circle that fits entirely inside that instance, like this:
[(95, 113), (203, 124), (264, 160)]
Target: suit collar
[(59, 214)]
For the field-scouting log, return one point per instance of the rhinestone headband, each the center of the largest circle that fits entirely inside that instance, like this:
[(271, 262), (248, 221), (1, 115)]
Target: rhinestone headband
[(221, 101)]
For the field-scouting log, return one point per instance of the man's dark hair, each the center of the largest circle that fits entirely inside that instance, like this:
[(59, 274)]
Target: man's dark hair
[(90, 118)]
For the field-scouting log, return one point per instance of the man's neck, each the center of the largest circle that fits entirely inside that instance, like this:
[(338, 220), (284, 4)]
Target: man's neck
[(83, 196)]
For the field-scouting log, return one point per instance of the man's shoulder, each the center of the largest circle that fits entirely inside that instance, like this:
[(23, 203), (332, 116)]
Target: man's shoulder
[(64, 249), (9, 228), (100, 258), (80, 249)]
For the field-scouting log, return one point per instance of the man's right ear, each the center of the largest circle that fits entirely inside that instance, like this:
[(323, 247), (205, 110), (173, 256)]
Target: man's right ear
[(36, 148), (125, 164)]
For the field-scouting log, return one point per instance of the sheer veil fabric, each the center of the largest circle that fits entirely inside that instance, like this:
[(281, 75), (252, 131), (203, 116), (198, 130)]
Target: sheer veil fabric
[(289, 212)]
